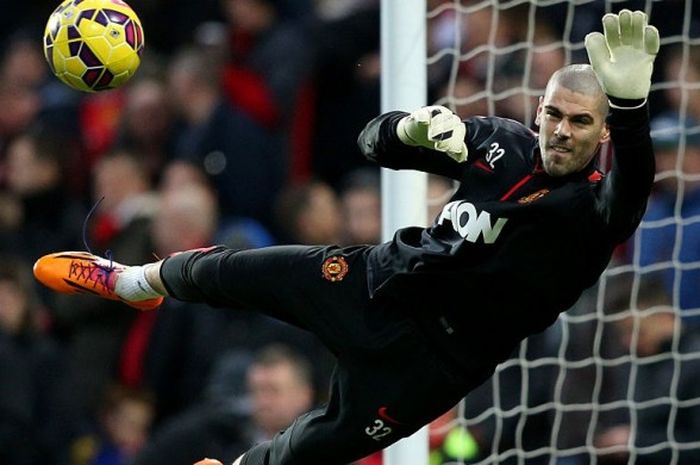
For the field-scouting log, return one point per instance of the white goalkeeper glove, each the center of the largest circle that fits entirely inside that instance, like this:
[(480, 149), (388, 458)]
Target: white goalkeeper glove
[(436, 128), (623, 58)]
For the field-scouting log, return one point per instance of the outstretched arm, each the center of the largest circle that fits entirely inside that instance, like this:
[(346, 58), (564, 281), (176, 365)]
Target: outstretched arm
[(430, 139), (623, 59)]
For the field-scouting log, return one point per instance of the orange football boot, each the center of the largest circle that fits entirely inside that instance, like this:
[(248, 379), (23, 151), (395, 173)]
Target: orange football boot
[(85, 273)]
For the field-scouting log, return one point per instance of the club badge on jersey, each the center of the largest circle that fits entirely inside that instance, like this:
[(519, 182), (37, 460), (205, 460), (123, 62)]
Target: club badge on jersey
[(335, 268), (534, 196)]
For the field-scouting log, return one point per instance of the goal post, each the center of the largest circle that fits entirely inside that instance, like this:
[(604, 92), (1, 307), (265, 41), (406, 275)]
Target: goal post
[(403, 87), (404, 193)]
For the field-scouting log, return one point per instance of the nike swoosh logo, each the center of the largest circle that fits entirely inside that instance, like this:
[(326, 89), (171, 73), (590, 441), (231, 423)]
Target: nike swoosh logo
[(385, 416), (480, 164)]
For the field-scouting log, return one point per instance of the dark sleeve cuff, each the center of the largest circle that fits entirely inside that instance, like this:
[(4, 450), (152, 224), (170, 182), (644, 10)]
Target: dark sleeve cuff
[(625, 103), (629, 127), (379, 142)]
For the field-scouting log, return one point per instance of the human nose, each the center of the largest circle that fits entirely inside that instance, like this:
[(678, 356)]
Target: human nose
[(563, 129)]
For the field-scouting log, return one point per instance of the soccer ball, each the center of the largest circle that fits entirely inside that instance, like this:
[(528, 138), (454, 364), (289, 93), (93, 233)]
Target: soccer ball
[(93, 45)]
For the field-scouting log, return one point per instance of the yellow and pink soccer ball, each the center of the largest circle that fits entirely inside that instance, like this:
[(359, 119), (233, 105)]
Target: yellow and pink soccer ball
[(93, 45)]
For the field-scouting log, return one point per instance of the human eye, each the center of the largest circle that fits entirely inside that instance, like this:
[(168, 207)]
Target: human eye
[(551, 113), (582, 120)]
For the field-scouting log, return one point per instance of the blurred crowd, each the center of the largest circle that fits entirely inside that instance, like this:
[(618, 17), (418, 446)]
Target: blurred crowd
[(239, 128)]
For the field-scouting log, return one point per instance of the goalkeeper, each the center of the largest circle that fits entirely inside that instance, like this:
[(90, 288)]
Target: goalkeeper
[(419, 321)]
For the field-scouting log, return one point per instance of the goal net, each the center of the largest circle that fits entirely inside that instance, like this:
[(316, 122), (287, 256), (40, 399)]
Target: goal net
[(617, 379)]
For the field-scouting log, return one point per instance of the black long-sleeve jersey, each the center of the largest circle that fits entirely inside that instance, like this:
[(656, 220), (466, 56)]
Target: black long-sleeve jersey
[(514, 247)]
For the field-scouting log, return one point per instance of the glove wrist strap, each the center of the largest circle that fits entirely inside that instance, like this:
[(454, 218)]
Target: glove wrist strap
[(402, 133), (626, 103)]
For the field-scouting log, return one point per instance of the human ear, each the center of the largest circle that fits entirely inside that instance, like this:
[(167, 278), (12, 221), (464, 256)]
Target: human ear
[(538, 116)]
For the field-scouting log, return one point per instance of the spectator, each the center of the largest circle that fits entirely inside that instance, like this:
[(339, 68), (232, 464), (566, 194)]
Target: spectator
[(360, 200), (346, 79), (239, 156), (269, 68), (29, 364), (522, 395), (24, 66), (467, 95), (94, 331), (187, 216), (238, 232), (171, 352), (536, 63), (178, 173), (646, 333), (309, 213), (682, 68), (47, 215), (169, 23), (280, 387), (124, 422), (270, 59), (668, 235), (98, 125), (334, 9), (23, 87), (146, 123), (123, 184), (21, 106)]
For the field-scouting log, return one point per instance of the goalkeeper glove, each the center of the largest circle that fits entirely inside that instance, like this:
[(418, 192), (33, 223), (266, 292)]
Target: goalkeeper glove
[(436, 128), (623, 58)]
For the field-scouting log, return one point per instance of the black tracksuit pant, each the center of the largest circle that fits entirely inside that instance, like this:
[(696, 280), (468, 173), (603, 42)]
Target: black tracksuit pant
[(389, 381)]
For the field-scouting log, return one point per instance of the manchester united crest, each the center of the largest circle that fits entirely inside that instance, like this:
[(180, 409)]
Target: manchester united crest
[(534, 196), (334, 268)]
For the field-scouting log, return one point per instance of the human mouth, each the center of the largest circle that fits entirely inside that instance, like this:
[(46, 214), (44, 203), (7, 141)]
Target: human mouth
[(560, 148)]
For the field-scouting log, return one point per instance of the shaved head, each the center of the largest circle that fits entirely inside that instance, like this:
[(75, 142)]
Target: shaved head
[(582, 80), (571, 116)]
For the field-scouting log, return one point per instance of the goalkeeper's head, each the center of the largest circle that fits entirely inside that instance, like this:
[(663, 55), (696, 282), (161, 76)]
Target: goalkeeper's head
[(572, 120)]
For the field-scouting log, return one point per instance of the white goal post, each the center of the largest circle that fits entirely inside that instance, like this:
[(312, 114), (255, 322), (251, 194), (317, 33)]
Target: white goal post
[(404, 193)]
